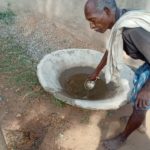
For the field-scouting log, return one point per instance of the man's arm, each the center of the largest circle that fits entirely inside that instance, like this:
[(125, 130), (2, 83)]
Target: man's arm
[(101, 65)]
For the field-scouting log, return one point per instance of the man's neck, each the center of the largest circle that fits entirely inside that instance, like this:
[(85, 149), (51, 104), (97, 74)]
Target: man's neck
[(119, 13)]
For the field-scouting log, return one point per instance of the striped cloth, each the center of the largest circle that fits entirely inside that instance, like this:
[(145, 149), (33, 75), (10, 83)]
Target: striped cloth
[(142, 75)]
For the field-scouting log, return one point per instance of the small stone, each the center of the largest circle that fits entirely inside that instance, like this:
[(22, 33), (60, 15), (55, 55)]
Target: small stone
[(17, 90), (62, 117), (61, 135), (18, 115)]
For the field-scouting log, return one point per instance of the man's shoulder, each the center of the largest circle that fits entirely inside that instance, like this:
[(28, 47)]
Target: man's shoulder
[(129, 31)]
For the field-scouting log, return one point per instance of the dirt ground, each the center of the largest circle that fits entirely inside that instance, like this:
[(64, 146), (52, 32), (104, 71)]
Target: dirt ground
[(40, 122)]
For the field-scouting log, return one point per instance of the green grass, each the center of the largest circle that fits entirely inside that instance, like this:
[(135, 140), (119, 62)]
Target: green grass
[(85, 118), (7, 16), (57, 102), (110, 113), (16, 65), (20, 70)]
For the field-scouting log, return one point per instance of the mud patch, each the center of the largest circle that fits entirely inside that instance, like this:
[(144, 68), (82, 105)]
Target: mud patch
[(32, 134)]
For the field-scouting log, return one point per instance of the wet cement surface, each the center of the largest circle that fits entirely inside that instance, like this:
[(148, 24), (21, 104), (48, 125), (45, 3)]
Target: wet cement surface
[(72, 81)]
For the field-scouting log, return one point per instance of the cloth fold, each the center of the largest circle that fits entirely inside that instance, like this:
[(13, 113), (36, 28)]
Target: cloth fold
[(142, 75), (131, 19)]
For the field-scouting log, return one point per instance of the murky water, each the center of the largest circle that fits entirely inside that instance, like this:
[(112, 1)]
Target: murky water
[(72, 80)]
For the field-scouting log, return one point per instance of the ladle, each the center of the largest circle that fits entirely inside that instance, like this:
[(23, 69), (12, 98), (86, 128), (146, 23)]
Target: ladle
[(90, 84)]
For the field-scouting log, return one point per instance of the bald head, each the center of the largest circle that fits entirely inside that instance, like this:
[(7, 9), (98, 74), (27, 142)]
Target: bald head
[(100, 14), (90, 6), (99, 5)]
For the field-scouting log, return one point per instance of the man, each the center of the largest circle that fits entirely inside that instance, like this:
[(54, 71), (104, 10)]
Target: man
[(103, 15)]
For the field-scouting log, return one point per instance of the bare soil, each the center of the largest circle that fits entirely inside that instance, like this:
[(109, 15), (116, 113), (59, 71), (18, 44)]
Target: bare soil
[(38, 123)]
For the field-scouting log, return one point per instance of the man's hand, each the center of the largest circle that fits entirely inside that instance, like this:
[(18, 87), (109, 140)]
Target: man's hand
[(101, 65), (143, 98), (93, 76)]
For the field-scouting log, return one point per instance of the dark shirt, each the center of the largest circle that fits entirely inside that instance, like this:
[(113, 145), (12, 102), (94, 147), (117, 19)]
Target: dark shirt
[(136, 41)]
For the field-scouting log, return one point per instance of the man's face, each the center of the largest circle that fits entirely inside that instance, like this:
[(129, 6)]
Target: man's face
[(99, 21)]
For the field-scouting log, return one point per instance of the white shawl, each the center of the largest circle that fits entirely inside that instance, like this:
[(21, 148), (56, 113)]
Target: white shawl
[(114, 46)]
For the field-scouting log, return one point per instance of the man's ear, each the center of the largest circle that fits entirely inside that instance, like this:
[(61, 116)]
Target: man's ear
[(107, 11)]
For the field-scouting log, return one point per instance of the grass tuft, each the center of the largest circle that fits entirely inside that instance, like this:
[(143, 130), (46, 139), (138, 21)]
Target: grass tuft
[(57, 102), (7, 16), (17, 65)]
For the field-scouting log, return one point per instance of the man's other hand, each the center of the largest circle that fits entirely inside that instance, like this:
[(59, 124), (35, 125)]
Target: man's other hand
[(143, 97)]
